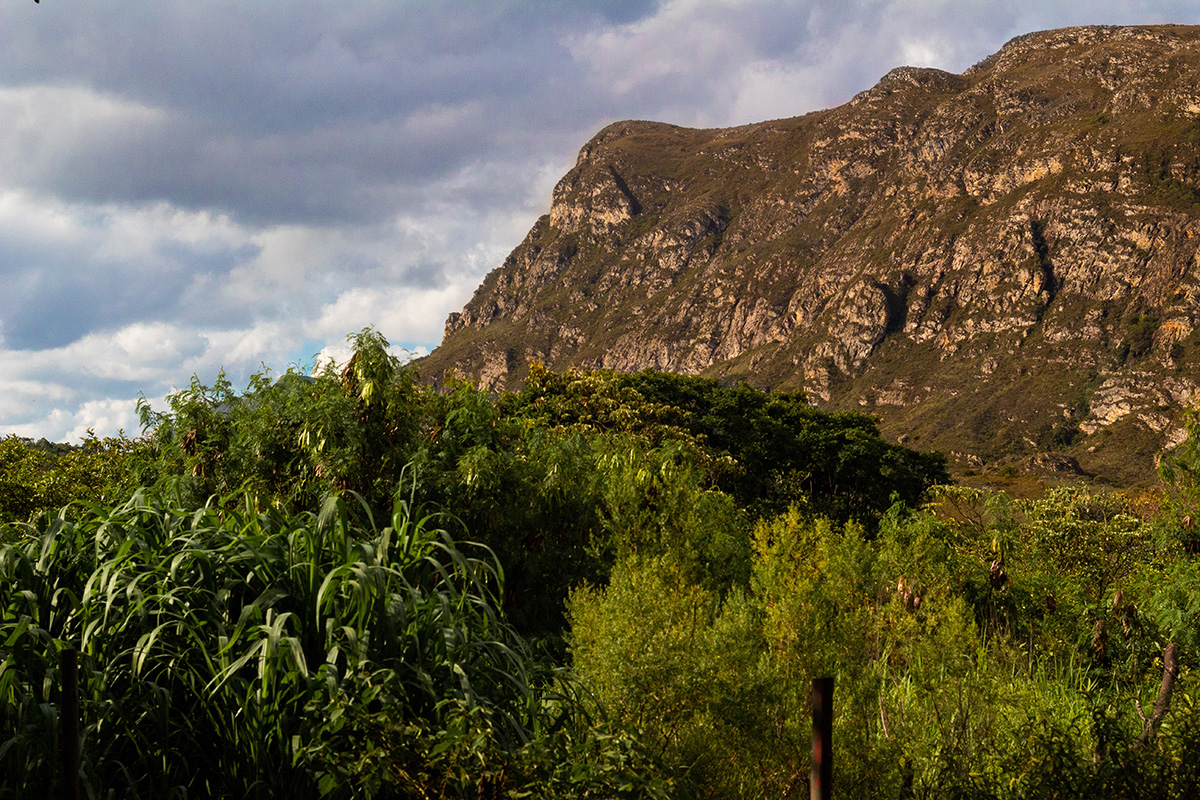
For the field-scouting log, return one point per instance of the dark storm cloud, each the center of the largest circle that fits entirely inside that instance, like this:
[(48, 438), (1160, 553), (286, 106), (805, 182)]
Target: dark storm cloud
[(54, 296), (298, 112)]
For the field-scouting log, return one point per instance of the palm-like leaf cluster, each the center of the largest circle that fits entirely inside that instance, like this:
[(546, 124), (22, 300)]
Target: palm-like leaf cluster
[(232, 652)]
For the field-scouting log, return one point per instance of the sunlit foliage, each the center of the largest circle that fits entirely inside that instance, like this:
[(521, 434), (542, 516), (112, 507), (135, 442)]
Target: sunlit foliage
[(349, 584), (36, 477)]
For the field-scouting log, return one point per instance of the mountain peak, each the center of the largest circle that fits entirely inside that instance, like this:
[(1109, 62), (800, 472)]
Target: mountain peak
[(998, 263)]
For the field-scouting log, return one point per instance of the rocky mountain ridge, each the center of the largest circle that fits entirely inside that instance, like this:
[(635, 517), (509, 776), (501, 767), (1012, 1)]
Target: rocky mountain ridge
[(998, 263)]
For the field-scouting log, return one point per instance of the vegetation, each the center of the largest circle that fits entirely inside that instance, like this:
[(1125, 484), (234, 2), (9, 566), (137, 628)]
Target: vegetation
[(558, 479), (233, 653), (350, 585), (36, 477), (765, 449), (955, 640)]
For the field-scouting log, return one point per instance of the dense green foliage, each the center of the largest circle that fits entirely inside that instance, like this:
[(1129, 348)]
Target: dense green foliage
[(41, 476), (1180, 471), (765, 449), (352, 585), (1010, 653), (234, 653), (557, 479)]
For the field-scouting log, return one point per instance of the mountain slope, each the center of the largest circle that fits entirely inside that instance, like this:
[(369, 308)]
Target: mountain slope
[(999, 263)]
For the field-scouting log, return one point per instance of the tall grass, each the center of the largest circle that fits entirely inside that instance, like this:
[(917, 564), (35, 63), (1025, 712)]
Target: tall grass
[(253, 654)]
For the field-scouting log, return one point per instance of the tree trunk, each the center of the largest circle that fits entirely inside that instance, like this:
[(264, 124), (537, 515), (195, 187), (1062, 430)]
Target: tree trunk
[(1163, 702)]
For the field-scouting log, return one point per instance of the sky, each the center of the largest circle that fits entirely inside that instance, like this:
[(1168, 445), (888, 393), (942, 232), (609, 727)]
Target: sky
[(188, 186)]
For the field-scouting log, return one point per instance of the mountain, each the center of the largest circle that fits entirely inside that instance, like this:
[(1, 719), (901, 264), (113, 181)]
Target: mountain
[(1000, 264)]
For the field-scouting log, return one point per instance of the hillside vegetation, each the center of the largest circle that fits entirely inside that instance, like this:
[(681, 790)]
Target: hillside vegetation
[(602, 585)]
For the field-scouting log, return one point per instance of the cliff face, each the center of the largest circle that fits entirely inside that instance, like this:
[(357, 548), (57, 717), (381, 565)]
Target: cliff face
[(999, 263)]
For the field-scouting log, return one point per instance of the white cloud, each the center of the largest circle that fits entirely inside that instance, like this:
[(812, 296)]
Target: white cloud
[(94, 382), (685, 61), (243, 350), (23, 398), (924, 53), (140, 231), (771, 91), (399, 313), (338, 353), (65, 424), (102, 417), (57, 406), (441, 119), (683, 38), (289, 256), (48, 129), (36, 219)]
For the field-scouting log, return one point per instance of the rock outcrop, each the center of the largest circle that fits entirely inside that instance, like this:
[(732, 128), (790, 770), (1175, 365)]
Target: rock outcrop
[(999, 263)]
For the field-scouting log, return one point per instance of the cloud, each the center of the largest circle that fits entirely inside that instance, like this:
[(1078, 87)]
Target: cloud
[(104, 417), (52, 130), (417, 314), (277, 114), (728, 62), (72, 268)]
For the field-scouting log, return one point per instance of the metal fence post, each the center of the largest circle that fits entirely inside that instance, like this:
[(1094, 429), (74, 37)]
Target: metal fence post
[(821, 777)]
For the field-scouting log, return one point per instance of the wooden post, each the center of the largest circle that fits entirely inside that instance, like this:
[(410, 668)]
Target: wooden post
[(821, 778), (69, 724)]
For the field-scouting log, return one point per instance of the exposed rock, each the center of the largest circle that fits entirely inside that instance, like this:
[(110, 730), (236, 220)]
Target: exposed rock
[(1055, 463), (1003, 256)]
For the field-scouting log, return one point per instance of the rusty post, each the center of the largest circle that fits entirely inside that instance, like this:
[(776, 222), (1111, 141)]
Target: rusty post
[(821, 777)]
